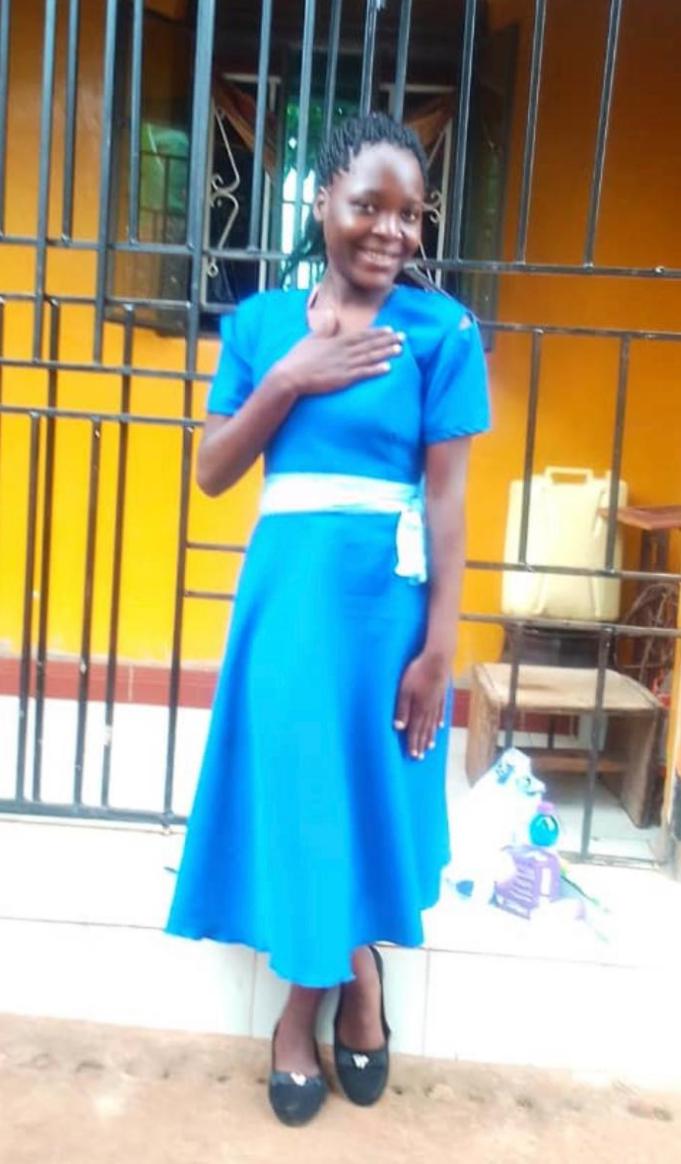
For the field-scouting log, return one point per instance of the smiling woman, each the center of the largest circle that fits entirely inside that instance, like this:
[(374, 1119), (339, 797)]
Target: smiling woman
[(353, 395), (372, 211), (369, 206)]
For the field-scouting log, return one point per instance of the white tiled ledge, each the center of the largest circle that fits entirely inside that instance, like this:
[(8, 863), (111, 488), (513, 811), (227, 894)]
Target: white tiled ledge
[(449, 1005), (81, 911), (122, 876)]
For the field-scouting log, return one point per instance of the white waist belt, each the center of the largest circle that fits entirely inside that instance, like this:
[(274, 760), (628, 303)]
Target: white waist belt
[(340, 493)]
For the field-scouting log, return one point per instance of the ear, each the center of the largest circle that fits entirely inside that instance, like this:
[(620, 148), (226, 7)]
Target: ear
[(319, 204)]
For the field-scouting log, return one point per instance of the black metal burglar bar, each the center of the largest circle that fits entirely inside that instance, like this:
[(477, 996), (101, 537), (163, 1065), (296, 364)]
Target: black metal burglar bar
[(320, 28)]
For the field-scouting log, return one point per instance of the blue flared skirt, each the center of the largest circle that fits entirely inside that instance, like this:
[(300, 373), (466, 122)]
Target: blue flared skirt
[(313, 831)]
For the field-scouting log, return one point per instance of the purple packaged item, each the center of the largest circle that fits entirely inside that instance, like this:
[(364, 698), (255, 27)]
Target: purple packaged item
[(535, 883)]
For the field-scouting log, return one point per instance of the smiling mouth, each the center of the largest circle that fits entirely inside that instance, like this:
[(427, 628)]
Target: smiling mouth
[(380, 258)]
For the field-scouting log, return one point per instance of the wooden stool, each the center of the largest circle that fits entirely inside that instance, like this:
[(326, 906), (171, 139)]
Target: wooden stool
[(631, 716)]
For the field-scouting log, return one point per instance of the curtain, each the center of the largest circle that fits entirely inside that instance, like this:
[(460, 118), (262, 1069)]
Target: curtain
[(428, 120), (239, 109)]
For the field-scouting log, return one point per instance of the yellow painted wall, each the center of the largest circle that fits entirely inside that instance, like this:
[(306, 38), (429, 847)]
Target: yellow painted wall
[(150, 548), (638, 227)]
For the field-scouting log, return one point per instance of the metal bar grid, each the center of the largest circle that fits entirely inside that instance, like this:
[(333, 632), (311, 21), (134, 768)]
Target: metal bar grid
[(270, 255), (260, 116), (530, 439), (531, 128), (117, 565), (4, 101), (403, 36), (500, 326), (305, 91), (25, 672), (332, 64), (70, 108), (597, 723), (105, 171), (45, 552), (201, 112), (44, 424), (516, 639), (465, 87), (135, 158), (603, 128), (617, 450), (47, 416), (366, 89), (45, 165), (88, 590)]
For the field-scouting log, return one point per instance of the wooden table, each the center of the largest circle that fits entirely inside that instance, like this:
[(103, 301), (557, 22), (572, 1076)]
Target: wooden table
[(656, 522), (631, 716)]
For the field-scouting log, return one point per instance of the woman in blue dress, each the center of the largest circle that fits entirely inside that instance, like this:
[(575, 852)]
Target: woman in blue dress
[(319, 825)]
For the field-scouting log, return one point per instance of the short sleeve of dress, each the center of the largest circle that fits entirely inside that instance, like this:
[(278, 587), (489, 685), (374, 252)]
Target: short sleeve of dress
[(233, 380), (456, 390)]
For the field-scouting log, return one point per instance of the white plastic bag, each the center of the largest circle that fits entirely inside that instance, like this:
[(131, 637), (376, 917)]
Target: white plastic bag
[(495, 814)]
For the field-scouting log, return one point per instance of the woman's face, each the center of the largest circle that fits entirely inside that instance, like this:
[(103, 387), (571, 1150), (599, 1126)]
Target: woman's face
[(371, 216)]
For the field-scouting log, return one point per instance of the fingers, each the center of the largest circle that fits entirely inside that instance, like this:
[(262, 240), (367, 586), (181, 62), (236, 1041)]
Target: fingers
[(402, 711), (375, 343), (422, 735), (429, 738), (414, 737), (418, 726), (422, 728), (421, 709), (370, 353), (441, 712), (369, 370)]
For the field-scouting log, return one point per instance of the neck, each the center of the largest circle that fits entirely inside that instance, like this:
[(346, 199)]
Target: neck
[(341, 293)]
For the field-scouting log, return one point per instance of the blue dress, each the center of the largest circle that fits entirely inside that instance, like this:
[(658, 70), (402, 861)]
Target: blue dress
[(313, 831)]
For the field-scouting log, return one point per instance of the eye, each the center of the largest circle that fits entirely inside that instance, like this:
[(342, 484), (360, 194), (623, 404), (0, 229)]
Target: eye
[(365, 207), (411, 216)]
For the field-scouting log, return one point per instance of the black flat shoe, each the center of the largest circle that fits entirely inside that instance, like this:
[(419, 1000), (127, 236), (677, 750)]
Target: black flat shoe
[(295, 1099), (363, 1075)]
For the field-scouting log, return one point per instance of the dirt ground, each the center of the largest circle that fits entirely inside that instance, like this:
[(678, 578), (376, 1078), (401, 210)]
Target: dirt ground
[(78, 1093)]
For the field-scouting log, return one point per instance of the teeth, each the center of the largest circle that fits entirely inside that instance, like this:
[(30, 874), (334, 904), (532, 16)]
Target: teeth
[(378, 256)]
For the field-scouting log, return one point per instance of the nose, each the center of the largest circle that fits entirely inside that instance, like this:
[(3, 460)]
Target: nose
[(388, 225)]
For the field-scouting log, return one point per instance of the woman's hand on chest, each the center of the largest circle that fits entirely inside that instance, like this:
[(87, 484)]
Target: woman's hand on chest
[(327, 360)]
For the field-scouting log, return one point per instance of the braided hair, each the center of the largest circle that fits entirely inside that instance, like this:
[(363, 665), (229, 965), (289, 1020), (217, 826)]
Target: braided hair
[(335, 156)]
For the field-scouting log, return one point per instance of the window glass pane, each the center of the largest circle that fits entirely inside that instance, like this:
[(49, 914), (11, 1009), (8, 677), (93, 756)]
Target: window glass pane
[(165, 117)]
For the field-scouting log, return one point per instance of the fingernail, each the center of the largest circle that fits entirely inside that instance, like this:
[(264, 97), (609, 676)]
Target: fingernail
[(431, 744), (441, 723), (397, 349), (401, 335), (400, 725), (422, 756), (385, 367), (415, 755)]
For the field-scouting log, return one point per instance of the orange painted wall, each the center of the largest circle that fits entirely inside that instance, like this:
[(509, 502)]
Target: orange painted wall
[(151, 539), (638, 226)]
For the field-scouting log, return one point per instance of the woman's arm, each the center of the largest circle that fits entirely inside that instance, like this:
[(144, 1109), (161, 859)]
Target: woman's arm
[(446, 475), (420, 704), (230, 444)]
